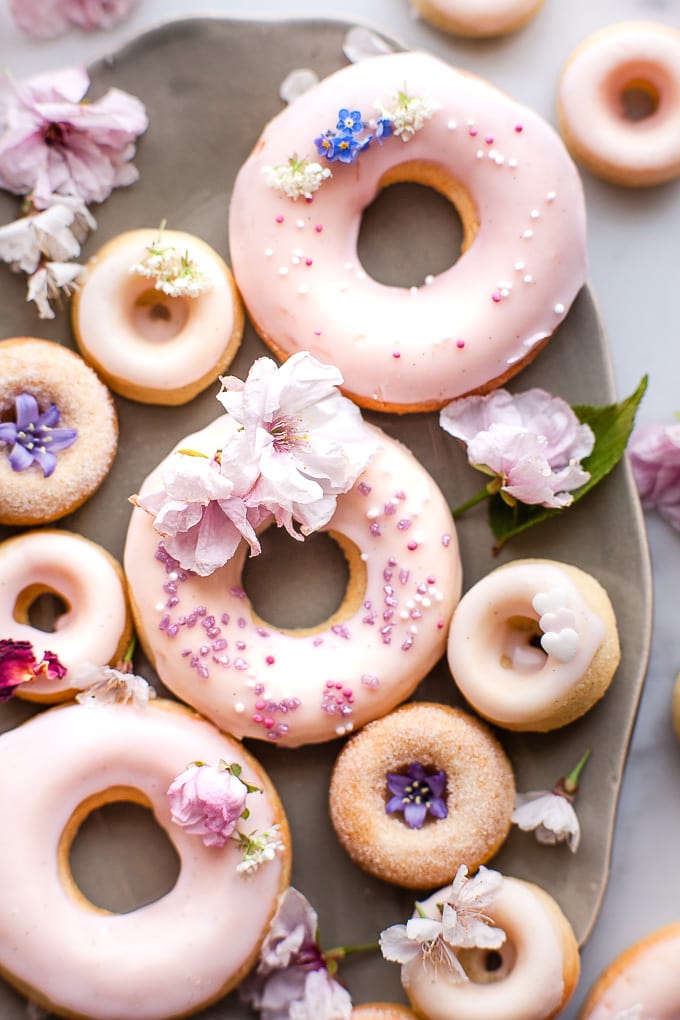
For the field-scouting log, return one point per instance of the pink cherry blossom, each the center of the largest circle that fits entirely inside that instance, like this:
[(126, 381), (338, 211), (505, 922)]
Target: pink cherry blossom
[(654, 452), (45, 19), (207, 801), (52, 142)]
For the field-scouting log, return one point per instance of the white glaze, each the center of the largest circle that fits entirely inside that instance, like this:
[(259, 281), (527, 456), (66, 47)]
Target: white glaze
[(530, 983), (529, 203), (143, 352), (591, 111), (375, 660), (166, 958), (493, 664), (648, 977), (85, 577), (479, 17)]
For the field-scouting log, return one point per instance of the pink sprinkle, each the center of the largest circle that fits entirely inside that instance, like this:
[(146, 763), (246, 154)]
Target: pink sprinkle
[(308, 262), (257, 718), (489, 139), (519, 128), (411, 546), (473, 132), (347, 691), (329, 683), (396, 354), (309, 199), (431, 580), (279, 219), (338, 686), (317, 332), (268, 723), (440, 624), (495, 296), (270, 660), (259, 704), (318, 228), (460, 344), (446, 541)]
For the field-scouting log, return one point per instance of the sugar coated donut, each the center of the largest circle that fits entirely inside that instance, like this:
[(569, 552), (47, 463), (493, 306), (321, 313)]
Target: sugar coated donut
[(534, 644), (168, 958), (640, 984), (477, 788), (530, 977), (164, 337), (95, 626), (382, 1011), (254, 680), (478, 18), (467, 329), (612, 70), (58, 431)]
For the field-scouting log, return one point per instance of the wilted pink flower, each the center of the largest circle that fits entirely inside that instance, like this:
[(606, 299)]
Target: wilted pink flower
[(18, 665), (54, 143), (207, 801), (45, 19), (654, 452)]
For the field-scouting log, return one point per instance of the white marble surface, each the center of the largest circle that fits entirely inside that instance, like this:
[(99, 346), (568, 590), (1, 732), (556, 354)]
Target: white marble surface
[(635, 256)]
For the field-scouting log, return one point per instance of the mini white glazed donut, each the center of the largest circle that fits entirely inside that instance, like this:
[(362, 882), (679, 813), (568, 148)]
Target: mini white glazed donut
[(470, 327), (636, 56), (45, 389), (254, 680), (95, 626), (168, 958), (479, 18), (534, 644), (382, 1011), (149, 345), (642, 983), (531, 977)]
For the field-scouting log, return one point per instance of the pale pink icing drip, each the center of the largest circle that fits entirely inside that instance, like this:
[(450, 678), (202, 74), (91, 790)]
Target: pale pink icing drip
[(255, 681), (85, 578), (163, 959), (532, 238), (651, 981)]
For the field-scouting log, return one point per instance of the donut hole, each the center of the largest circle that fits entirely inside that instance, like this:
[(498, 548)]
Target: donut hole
[(41, 607), (639, 100), (520, 645), (115, 857), (486, 966), (157, 316), (416, 228), (304, 587)]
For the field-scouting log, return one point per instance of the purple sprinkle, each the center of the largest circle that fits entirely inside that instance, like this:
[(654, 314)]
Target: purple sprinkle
[(200, 610), (408, 643), (202, 671), (386, 630), (172, 630), (241, 622), (172, 602), (170, 587), (370, 680), (203, 650), (194, 660), (404, 524), (388, 614), (191, 620), (422, 589), (392, 602), (404, 575), (237, 592), (224, 619), (208, 622), (446, 541), (181, 620), (390, 508), (387, 575), (214, 632), (370, 620), (240, 664), (221, 660), (241, 645), (262, 632), (416, 614), (363, 488), (185, 652), (164, 621), (341, 630), (367, 604), (375, 529), (391, 562), (317, 642), (388, 589)]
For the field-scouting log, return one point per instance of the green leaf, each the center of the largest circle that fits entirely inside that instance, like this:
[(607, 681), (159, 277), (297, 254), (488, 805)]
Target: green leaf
[(612, 426)]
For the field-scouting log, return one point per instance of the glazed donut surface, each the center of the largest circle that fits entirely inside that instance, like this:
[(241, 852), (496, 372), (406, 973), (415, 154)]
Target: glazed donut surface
[(478, 17)]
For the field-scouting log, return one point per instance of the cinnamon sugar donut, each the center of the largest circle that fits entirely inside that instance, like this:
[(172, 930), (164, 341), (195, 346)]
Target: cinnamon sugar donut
[(640, 984), (479, 795), (478, 18), (155, 345), (47, 388)]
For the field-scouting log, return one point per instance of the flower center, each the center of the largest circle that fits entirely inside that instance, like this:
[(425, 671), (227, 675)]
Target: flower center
[(310, 957), (54, 134), (417, 792), (287, 431)]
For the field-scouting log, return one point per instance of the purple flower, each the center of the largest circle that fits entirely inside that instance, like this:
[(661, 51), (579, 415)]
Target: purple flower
[(417, 794), (34, 435), (654, 452), (52, 142), (45, 19), (18, 665), (383, 128), (207, 801), (349, 122)]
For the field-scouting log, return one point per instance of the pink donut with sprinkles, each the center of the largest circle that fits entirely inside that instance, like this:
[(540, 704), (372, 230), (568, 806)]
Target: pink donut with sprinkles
[(306, 686), (296, 213)]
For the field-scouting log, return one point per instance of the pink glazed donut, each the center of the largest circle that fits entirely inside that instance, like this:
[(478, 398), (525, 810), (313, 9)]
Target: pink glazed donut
[(297, 687), (478, 18), (469, 328)]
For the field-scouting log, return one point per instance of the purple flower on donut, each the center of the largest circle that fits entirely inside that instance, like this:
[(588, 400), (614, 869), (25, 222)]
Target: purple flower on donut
[(417, 794), (18, 665), (654, 452), (34, 437), (207, 801)]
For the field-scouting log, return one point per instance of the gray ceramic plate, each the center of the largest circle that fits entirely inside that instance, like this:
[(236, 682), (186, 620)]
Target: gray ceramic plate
[(210, 85)]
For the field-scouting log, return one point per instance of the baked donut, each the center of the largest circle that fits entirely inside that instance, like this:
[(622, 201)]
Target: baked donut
[(160, 342), (478, 18), (469, 328), (479, 795), (297, 687), (382, 1011), (48, 390), (530, 977), (640, 984), (166, 959), (95, 626), (635, 61), (534, 644)]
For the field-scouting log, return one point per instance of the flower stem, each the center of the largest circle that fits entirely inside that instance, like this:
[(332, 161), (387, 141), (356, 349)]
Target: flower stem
[(130, 650), (340, 952), (477, 498), (571, 780)]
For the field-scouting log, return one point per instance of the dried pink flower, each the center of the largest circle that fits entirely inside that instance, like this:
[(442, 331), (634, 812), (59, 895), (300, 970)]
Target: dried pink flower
[(208, 801), (45, 19), (654, 452), (18, 665)]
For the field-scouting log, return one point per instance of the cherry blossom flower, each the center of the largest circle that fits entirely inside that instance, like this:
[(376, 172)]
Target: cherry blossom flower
[(48, 283), (45, 19), (549, 814), (52, 142), (654, 452), (106, 685), (417, 794), (531, 443), (35, 437), (19, 665), (309, 443), (208, 802), (55, 234)]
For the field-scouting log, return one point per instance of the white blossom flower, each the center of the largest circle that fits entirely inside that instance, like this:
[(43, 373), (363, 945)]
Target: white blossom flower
[(47, 283), (55, 234), (104, 685), (298, 178), (550, 816), (173, 273), (258, 848), (407, 114), (322, 999)]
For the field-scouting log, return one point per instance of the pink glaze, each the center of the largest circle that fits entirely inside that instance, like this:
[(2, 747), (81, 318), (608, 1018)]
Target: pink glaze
[(164, 959), (81, 573), (647, 977), (254, 680), (451, 335)]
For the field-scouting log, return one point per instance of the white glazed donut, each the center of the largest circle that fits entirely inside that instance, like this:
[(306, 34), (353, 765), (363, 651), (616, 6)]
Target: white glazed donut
[(534, 644), (301, 687), (634, 56), (95, 626), (531, 976), (467, 329), (643, 982), (168, 958), (478, 18), (148, 345)]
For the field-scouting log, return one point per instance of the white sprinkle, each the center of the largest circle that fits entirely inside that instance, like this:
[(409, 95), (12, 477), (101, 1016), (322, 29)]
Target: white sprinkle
[(418, 598), (339, 730), (269, 252), (410, 604), (519, 266), (250, 683), (535, 214), (413, 290), (480, 154), (551, 196), (500, 160), (348, 265), (528, 278), (413, 629), (299, 224), (439, 597), (403, 615), (452, 125), (431, 590), (559, 308), (173, 576), (160, 606), (373, 513), (505, 292), (349, 727), (429, 279), (295, 260), (512, 162), (303, 289), (427, 603), (528, 233), (298, 253), (470, 122), (239, 707), (364, 556), (283, 271)]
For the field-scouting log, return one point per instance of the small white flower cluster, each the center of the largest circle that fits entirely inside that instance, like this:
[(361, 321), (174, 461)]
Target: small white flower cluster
[(258, 848), (174, 274), (104, 685), (406, 113), (298, 178)]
